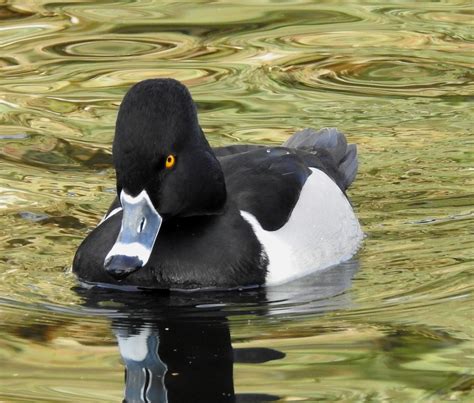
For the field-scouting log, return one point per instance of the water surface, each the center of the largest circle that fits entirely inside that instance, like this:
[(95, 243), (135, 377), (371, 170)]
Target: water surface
[(394, 324)]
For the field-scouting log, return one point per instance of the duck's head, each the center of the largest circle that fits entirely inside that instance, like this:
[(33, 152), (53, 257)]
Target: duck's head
[(165, 169)]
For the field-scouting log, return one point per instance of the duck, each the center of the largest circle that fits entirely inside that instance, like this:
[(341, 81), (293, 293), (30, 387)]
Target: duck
[(188, 216)]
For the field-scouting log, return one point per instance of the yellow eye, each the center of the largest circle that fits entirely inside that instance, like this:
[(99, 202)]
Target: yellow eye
[(170, 161)]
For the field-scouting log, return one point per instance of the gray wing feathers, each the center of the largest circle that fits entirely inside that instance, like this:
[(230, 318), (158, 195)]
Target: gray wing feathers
[(335, 143), (349, 164)]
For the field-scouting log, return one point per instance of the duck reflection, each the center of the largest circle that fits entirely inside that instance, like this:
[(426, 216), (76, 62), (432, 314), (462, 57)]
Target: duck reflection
[(172, 361), (176, 347), (182, 361)]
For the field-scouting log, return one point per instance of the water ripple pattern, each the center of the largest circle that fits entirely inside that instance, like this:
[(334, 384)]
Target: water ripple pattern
[(395, 323)]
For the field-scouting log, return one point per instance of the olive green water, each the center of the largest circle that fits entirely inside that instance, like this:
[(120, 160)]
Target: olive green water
[(395, 324)]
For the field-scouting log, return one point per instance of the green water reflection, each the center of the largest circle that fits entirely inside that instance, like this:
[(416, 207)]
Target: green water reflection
[(396, 77)]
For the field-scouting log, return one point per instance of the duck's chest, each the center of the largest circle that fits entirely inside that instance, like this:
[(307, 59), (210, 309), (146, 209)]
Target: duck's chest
[(217, 251)]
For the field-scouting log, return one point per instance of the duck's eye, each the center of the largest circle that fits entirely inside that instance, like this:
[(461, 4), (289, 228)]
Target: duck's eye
[(170, 161)]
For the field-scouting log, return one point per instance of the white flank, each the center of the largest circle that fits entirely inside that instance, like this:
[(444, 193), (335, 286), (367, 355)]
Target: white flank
[(322, 231), (134, 347)]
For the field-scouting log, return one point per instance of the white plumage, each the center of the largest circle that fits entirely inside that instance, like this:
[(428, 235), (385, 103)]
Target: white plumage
[(322, 231)]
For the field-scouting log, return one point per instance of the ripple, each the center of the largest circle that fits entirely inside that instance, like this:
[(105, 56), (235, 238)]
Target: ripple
[(380, 76), (15, 35), (190, 76), (457, 15), (351, 40), (318, 293), (38, 88), (8, 62), (56, 154), (104, 48), (115, 11), (9, 12)]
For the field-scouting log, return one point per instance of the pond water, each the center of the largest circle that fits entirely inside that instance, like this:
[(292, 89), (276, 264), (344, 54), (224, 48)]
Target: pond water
[(393, 324)]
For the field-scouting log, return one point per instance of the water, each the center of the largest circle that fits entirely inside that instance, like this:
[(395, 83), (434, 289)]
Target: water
[(394, 324)]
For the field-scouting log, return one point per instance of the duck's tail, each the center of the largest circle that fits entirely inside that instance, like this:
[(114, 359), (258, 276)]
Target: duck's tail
[(332, 141)]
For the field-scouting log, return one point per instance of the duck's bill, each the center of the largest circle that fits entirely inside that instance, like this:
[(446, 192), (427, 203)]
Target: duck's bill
[(140, 226)]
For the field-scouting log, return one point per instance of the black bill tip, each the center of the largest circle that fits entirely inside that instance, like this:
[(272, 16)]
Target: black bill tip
[(120, 266)]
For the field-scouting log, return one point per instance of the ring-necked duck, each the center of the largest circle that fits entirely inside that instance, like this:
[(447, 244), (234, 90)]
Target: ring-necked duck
[(190, 216)]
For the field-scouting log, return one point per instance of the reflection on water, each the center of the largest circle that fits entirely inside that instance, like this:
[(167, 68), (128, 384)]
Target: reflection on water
[(169, 361), (396, 77), (173, 359), (177, 347)]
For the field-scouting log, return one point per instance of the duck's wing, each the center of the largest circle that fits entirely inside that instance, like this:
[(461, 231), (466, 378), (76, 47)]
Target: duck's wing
[(325, 149), (266, 182)]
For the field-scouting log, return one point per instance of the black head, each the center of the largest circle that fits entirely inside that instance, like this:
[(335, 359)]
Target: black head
[(157, 121), (165, 168)]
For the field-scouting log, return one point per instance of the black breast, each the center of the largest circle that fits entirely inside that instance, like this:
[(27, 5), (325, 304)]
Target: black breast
[(208, 251)]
